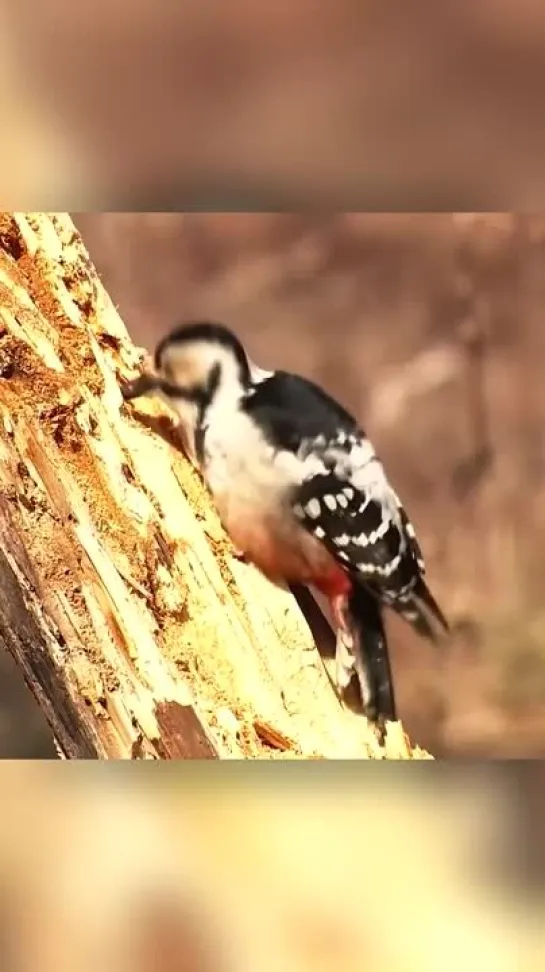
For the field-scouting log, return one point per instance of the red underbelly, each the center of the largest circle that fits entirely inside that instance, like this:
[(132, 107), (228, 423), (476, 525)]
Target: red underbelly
[(300, 559)]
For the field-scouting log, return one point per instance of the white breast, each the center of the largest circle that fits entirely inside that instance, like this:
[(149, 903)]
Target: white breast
[(240, 469), (251, 484)]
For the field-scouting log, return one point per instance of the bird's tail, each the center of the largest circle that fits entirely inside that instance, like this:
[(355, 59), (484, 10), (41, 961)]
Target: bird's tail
[(374, 662), (422, 612)]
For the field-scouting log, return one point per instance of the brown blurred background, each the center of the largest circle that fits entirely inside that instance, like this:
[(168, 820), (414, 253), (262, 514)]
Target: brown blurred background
[(155, 104), (429, 328), (234, 868)]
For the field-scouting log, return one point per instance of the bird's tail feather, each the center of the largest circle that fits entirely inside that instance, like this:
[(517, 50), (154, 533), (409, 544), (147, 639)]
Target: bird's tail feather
[(366, 615), (423, 613)]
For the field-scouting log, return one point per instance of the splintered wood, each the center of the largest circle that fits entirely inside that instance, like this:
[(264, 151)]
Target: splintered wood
[(137, 628)]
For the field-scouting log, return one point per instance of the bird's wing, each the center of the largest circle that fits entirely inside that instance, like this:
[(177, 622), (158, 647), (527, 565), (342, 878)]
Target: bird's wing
[(345, 500), (339, 489), (339, 492)]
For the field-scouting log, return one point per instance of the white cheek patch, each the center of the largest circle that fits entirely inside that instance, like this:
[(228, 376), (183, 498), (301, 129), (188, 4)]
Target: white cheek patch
[(181, 367)]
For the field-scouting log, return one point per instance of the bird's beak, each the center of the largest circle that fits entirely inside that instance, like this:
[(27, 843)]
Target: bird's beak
[(146, 384)]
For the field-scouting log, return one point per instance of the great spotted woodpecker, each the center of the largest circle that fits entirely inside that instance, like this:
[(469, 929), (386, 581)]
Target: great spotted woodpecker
[(302, 494)]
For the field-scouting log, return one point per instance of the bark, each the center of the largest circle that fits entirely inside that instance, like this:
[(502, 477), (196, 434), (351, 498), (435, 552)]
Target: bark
[(137, 629)]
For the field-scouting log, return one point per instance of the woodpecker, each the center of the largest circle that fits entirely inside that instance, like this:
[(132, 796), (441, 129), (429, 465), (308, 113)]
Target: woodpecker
[(302, 494)]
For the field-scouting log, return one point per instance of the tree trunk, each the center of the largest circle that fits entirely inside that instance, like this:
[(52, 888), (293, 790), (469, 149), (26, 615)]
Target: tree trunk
[(137, 629)]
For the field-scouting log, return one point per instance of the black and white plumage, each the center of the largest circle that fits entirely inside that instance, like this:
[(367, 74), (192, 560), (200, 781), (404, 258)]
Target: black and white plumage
[(302, 493)]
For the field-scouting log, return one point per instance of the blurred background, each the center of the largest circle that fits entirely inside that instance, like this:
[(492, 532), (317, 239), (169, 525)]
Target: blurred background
[(153, 105), (428, 328), (235, 868)]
